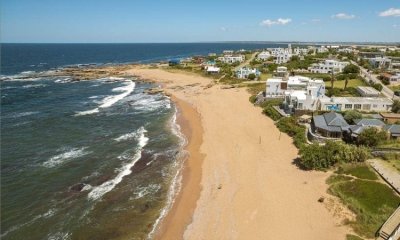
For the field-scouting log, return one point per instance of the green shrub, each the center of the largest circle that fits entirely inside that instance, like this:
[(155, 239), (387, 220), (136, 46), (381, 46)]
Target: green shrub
[(352, 115), (319, 157), (292, 128), (272, 113), (253, 98), (377, 86), (371, 137)]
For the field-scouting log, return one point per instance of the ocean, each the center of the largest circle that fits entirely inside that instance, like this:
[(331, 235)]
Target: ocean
[(96, 159)]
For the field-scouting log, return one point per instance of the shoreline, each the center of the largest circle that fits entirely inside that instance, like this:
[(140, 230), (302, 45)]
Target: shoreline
[(181, 212)]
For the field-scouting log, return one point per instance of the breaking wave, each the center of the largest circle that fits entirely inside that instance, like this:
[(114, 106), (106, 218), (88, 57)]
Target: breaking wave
[(65, 156)]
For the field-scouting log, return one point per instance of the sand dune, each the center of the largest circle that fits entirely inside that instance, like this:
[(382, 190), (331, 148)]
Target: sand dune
[(249, 187)]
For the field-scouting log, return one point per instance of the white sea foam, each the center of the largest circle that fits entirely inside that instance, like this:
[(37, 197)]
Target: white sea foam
[(65, 156), (111, 100), (107, 186), (18, 115), (176, 184), (150, 103), (34, 85), (143, 191), (128, 136), (60, 236)]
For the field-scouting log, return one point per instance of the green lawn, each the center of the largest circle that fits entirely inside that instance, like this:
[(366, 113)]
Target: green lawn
[(362, 171), (265, 76), (372, 202), (352, 83), (255, 88)]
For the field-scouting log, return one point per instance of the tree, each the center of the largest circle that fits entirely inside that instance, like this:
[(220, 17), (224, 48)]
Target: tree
[(352, 115), (346, 81), (351, 68), (396, 106), (251, 76), (371, 137)]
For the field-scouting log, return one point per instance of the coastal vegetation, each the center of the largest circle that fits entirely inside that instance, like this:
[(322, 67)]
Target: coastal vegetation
[(290, 126), (318, 157), (360, 190)]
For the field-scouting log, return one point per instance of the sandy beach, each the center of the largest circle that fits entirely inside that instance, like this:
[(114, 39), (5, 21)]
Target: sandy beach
[(239, 181)]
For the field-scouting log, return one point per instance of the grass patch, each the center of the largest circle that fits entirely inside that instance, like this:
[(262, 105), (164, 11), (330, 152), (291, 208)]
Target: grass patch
[(352, 83), (336, 178), (255, 88), (290, 126), (353, 237), (362, 171), (372, 202)]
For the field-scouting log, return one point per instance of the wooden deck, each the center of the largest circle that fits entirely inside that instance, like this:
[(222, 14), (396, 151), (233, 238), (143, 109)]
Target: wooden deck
[(390, 230)]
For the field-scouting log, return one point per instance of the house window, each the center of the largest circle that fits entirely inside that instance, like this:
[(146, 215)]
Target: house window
[(357, 106), (348, 106), (375, 105), (366, 107)]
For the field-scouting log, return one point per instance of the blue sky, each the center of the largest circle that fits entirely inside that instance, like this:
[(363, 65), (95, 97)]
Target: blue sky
[(87, 21)]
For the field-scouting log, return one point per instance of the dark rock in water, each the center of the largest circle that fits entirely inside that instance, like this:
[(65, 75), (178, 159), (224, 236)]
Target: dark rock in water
[(77, 187), (142, 163)]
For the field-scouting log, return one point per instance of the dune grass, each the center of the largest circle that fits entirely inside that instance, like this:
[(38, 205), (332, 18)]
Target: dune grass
[(361, 171), (372, 202), (352, 237)]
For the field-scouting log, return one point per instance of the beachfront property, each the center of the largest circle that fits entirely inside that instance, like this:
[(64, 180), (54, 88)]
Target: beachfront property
[(328, 66), (231, 58), (264, 55), (244, 72), (278, 86), (212, 70), (364, 104), (281, 55), (361, 124), (393, 130), (368, 91), (228, 52), (330, 125)]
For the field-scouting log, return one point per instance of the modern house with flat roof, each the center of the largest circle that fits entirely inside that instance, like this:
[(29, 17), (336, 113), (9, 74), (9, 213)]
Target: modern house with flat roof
[(328, 66), (363, 104), (368, 91), (244, 72), (231, 58), (265, 55)]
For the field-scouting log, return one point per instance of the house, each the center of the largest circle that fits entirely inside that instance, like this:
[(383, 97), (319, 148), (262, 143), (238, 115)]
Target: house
[(322, 49), (231, 58), (362, 124), (265, 55), (282, 58), (281, 71), (380, 62), (367, 91), (393, 130), (328, 66), (365, 104), (228, 52), (244, 72), (329, 125), (390, 118), (212, 70), (278, 86)]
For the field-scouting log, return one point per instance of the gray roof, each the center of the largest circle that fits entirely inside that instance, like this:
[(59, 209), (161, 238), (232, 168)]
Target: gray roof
[(393, 129), (369, 122), (332, 122)]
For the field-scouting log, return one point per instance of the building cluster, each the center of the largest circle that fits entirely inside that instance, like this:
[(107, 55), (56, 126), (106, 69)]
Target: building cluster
[(282, 55), (230, 57), (333, 125), (301, 93), (328, 66)]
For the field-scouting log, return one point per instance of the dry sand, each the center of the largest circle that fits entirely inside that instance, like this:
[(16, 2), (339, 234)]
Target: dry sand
[(249, 187)]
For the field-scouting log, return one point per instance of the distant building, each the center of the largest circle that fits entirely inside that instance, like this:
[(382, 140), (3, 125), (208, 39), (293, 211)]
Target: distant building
[(381, 62), (265, 55), (245, 72), (364, 104), (212, 70), (328, 66), (367, 91), (228, 52), (281, 72), (231, 58)]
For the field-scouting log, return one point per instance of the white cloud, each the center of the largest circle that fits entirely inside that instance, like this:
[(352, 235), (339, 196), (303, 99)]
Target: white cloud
[(279, 21), (315, 20), (391, 12), (396, 26), (343, 16), (224, 29)]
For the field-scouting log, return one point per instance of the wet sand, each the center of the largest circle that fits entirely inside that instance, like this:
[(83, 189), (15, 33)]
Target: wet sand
[(249, 187)]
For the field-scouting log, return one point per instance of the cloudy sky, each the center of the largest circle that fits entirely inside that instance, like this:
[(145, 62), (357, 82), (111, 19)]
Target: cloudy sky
[(197, 21)]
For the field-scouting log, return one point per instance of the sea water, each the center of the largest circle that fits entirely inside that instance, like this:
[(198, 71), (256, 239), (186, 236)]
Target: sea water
[(96, 159)]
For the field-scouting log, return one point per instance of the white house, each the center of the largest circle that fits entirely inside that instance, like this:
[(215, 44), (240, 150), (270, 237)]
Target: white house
[(282, 58), (231, 58), (278, 86), (245, 72), (321, 49), (228, 52), (365, 104), (381, 62), (328, 66), (212, 69), (264, 55)]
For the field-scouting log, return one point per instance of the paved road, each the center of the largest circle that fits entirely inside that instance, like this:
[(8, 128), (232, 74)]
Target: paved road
[(370, 77)]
